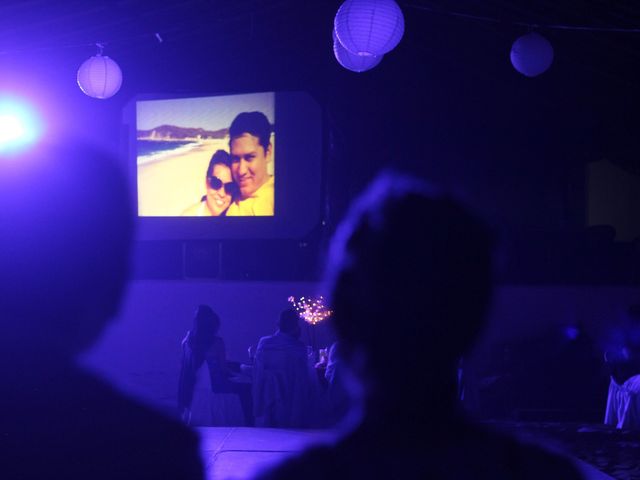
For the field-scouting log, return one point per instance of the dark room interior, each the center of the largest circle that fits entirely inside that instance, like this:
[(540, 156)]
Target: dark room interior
[(550, 162)]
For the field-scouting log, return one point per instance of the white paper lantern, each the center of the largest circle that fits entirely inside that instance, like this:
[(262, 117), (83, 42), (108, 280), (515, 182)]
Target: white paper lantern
[(350, 61), (531, 54), (369, 27), (99, 77)]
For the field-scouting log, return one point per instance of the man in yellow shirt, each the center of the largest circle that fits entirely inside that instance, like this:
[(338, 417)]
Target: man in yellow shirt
[(251, 152)]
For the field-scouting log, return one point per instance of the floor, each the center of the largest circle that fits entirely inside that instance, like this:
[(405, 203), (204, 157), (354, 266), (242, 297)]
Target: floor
[(239, 453), (614, 452)]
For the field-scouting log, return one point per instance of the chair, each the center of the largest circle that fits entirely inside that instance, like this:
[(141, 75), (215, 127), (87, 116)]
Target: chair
[(214, 409), (623, 404), (623, 399), (282, 389), (226, 410)]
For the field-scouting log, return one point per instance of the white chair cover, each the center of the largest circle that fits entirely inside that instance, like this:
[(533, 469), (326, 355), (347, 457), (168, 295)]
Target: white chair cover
[(282, 388), (214, 409), (623, 404)]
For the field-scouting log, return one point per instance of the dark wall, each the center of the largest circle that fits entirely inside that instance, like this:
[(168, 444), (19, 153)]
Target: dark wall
[(446, 106)]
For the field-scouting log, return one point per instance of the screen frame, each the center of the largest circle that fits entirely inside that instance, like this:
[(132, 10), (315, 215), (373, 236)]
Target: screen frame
[(298, 177)]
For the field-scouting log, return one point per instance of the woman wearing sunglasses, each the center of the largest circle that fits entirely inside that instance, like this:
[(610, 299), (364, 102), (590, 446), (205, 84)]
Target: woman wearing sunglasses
[(220, 186)]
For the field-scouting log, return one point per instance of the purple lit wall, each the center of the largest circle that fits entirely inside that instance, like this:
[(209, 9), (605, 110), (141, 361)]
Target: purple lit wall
[(141, 350)]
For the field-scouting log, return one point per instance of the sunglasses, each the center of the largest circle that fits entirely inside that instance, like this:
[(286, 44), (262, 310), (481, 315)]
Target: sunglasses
[(215, 183)]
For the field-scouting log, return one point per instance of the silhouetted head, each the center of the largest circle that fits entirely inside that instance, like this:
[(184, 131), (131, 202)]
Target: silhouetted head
[(65, 232), (289, 322), (206, 324), (409, 278)]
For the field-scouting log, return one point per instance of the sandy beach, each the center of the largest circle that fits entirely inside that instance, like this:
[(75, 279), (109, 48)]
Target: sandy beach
[(167, 187)]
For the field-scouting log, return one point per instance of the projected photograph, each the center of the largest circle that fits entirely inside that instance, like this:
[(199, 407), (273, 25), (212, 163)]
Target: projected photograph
[(206, 156)]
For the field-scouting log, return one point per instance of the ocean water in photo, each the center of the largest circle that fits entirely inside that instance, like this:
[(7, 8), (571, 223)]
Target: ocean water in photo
[(149, 151)]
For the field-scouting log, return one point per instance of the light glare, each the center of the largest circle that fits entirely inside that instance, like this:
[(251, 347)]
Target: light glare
[(19, 125)]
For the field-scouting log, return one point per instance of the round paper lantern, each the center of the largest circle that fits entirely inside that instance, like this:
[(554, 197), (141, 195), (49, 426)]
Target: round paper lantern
[(531, 54), (99, 77), (351, 61), (369, 27)]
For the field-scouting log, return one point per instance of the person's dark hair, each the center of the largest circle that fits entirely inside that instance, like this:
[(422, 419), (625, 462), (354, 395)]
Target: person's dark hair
[(254, 123), (289, 321), (220, 157), (409, 269), (633, 312), (206, 324), (66, 225)]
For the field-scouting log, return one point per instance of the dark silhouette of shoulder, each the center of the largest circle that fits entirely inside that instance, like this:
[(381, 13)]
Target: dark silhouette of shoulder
[(66, 226), (463, 453), (71, 425)]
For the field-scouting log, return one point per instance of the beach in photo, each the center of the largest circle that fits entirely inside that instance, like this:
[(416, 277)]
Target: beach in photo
[(175, 140), (170, 184)]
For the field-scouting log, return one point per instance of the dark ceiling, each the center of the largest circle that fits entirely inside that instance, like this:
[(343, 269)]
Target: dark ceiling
[(446, 104)]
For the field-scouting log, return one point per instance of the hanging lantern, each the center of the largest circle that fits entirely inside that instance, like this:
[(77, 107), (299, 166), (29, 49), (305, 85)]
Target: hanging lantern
[(531, 54), (99, 76), (350, 61), (369, 27)]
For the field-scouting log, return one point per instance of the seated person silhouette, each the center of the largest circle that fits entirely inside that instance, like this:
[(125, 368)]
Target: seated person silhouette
[(409, 278), (202, 344), (65, 232), (282, 377), (337, 399)]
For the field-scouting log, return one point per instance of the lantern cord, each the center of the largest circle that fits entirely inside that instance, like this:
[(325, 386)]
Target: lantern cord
[(58, 47), (99, 45), (177, 31), (585, 28)]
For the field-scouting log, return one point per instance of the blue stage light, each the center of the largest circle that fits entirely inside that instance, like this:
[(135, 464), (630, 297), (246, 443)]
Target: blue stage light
[(20, 126)]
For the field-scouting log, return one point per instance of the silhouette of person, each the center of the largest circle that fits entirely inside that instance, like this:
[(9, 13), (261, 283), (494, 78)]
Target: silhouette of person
[(65, 232), (337, 396), (203, 344), (409, 277), (282, 387)]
